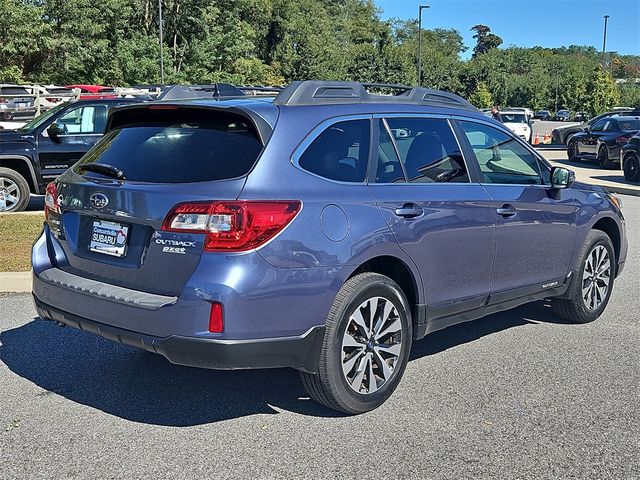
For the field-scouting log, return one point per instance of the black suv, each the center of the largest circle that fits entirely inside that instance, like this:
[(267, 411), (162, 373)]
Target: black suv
[(37, 153)]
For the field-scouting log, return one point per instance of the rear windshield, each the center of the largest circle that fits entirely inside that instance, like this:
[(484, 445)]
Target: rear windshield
[(195, 146), (513, 117), (59, 90), (14, 91)]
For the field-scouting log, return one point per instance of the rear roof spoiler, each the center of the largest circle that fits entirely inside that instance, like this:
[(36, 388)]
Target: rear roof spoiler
[(125, 115)]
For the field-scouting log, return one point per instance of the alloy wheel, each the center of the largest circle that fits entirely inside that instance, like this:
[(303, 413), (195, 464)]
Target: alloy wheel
[(9, 194), (631, 168), (371, 345), (596, 277), (603, 157)]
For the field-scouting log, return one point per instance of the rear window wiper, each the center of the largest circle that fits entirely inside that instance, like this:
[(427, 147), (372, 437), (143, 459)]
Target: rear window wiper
[(104, 168)]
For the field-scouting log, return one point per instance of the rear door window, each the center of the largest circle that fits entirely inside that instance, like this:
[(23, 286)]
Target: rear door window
[(629, 125), (428, 150), (182, 146), (340, 152)]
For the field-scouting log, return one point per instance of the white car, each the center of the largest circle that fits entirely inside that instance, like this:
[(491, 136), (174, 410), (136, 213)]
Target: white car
[(528, 112), (518, 122), (50, 95)]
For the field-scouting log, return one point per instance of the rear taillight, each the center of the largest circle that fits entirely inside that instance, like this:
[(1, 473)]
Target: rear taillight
[(51, 203), (232, 226), (622, 140), (52, 209), (4, 100)]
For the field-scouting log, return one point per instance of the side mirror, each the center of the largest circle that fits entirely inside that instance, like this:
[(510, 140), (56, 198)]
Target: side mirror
[(54, 131), (562, 178)]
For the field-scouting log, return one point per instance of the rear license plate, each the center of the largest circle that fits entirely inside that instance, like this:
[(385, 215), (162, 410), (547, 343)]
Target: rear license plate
[(109, 238)]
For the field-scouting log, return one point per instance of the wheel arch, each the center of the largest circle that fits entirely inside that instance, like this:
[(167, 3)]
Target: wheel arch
[(610, 227), (402, 274), (23, 166)]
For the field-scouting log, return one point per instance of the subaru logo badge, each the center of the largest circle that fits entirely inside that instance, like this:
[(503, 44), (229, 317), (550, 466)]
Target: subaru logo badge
[(98, 200)]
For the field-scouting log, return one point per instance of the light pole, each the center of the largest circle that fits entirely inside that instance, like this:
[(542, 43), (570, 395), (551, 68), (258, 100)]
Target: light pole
[(604, 41), (160, 22), (420, 8), (557, 87)]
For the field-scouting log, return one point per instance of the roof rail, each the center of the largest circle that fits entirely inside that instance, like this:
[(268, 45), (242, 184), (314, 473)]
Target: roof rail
[(315, 92)]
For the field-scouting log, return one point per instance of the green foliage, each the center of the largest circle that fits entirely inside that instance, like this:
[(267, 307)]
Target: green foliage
[(485, 40), (603, 92), (116, 42), (481, 96)]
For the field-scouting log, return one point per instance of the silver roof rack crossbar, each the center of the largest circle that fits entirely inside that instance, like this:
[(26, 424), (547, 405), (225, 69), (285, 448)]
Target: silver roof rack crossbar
[(315, 92)]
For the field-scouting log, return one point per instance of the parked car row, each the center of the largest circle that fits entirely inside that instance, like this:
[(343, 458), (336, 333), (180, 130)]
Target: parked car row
[(612, 141), (36, 153), (18, 102)]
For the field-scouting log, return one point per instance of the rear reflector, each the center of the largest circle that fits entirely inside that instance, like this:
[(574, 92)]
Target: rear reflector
[(216, 318), (232, 226)]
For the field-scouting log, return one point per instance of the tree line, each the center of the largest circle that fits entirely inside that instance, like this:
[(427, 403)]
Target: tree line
[(115, 42)]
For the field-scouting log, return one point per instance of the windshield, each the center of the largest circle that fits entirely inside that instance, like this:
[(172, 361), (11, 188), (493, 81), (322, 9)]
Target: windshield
[(513, 117), (41, 120)]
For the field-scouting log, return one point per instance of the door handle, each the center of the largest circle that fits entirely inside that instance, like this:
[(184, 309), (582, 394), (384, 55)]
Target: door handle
[(506, 210), (409, 210)]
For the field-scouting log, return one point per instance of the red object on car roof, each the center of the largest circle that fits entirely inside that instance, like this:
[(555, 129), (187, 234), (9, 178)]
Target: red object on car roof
[(92, 92)]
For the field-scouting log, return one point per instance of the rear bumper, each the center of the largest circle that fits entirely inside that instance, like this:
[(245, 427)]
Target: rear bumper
[(301, 352)]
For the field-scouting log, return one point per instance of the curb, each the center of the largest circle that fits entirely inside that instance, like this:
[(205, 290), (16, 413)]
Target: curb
[(15, 282)]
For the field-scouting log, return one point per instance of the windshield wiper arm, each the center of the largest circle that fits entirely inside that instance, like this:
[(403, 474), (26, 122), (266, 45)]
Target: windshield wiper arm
[(104, 168)]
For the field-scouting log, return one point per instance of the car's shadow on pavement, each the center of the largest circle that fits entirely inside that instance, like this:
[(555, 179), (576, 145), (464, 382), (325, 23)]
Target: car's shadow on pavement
[(144, 387)]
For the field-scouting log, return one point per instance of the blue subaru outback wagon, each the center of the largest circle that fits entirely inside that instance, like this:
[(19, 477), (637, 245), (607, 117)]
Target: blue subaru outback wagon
[(323, 230)]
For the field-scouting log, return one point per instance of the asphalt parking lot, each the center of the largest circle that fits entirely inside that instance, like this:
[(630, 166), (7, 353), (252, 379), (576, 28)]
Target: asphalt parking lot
[(515, 395)]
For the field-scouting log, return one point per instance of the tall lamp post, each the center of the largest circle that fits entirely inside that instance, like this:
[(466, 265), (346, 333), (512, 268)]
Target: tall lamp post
[(604, 40), (420, 8), (557, 87), (160, 22)]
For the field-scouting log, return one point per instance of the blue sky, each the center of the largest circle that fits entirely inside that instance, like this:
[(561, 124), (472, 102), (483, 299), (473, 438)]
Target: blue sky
[(527, 23)]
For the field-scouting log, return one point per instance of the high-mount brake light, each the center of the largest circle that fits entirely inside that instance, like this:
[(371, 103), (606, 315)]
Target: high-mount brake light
[(162, 107), (232, 226)]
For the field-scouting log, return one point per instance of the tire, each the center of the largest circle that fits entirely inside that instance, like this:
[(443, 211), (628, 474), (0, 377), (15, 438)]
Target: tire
[(580, 308), (572, 152), (603, 158), (14, 191), (631, 167), (345, 343)]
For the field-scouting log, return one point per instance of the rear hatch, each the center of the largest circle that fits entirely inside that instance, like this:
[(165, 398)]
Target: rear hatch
[(106, 213)]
